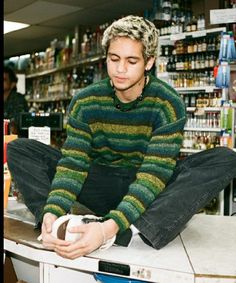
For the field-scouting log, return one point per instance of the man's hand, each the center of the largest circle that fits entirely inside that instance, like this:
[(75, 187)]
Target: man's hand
[(92, 237), (49, 241)]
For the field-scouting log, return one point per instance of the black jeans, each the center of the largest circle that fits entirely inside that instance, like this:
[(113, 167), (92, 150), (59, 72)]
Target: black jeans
[(196, 180)]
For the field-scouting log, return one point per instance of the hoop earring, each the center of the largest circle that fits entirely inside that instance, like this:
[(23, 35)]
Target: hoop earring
[(111, 82)]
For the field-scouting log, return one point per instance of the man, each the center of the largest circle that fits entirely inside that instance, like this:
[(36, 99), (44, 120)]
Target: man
[(14, 102), (119, 159)]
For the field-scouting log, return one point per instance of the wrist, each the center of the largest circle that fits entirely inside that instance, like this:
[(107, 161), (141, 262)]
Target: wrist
[(110, 228)]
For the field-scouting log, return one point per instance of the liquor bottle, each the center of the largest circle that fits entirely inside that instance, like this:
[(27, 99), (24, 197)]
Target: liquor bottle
[(199, 100), (193, 100), (204, 45), (199, 46), (193, 62), (169, 65), (185, 63), (202, 61), (194, 49), (193, 24), (173, 67), (201, 22), (187, 24), (186, 100)]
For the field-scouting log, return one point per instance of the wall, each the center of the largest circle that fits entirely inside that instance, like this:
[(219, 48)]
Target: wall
[(204, 6)]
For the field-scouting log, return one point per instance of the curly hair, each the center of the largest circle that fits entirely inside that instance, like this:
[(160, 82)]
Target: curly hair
[(136, 28)]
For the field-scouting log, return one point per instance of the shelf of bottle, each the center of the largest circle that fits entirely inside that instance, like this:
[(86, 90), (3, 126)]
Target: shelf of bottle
[(213, 52), (49, 99), (204, 129), (66, 67), (205, 109), (183, 35), (190, 150), (196, 88)]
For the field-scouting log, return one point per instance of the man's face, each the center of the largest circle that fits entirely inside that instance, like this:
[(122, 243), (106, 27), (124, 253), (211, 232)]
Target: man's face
[(125, 63), (8, 85)]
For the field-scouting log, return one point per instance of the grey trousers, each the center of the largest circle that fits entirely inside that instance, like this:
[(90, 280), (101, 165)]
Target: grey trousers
[(196, 181)]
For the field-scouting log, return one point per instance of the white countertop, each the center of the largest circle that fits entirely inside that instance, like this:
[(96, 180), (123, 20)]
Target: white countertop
[(205, 252)]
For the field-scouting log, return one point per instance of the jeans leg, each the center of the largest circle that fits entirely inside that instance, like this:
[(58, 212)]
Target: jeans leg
[(32, 165), (196, 180)]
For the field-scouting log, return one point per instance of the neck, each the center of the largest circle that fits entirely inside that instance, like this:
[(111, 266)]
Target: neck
[(132, 93)]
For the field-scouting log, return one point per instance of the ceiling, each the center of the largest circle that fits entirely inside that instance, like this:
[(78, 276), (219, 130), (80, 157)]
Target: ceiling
[(50, 19)]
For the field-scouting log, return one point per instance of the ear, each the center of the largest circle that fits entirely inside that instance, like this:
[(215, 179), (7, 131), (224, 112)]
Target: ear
[(149, 64)]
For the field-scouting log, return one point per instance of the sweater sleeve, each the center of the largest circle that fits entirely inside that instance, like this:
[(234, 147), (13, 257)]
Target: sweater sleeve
[(157, 166), (72, 168)]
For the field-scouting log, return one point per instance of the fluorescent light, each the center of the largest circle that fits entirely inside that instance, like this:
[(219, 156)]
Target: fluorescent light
[(12, 26)]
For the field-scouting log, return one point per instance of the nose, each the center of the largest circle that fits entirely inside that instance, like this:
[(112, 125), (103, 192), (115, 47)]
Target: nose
[(121, 67)]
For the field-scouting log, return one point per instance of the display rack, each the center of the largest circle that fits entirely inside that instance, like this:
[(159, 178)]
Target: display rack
[(182, 57), (51, 90)]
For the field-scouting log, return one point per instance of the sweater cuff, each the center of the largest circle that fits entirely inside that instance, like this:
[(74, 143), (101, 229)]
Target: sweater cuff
[(119, 218), (54, 209)]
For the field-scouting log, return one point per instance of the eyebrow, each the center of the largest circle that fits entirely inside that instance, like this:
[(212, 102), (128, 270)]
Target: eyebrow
[(129, 57)]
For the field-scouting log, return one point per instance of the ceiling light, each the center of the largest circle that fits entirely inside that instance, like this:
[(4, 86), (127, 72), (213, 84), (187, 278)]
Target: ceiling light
[(13, 26)]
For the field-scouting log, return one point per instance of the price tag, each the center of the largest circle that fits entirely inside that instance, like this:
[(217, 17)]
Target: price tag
[(42, 134), (177, 36), (209, 89), (199, 33)]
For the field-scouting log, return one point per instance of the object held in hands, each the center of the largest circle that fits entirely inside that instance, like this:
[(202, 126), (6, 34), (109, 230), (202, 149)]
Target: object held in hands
[(62, 224)]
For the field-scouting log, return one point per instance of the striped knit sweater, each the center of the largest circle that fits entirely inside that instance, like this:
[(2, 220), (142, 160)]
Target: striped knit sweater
[(147, 137)]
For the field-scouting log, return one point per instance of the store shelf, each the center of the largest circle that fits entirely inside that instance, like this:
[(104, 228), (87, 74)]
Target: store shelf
[(49, 99), (194, 34), (66, 67), (198, 129), (198, 88), (205, 109), (190, 150)]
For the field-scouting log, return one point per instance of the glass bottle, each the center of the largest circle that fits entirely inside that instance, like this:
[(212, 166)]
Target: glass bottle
[(204, 45), (194, 24)]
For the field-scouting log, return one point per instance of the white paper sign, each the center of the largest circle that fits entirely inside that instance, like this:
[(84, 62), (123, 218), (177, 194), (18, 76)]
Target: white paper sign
[(178, 36), (223, 16), (42, 134), (199, 33), (20, 83)]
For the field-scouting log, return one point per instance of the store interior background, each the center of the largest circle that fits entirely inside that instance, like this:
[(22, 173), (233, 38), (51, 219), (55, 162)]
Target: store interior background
[(63, 20), (57, 18)]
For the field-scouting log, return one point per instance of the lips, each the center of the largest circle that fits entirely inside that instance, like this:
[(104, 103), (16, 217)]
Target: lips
[(120, 79)]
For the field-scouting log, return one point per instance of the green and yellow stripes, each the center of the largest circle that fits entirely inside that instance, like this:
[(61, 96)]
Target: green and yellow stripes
[(141, 194), (78, 133), (63, 193), (55, 209), (168, 138), (151, 181), (120, 218), (139, 206), (161, 161), (75, 153), (147, 138), (64, 172), (120, 129), (90, 102)]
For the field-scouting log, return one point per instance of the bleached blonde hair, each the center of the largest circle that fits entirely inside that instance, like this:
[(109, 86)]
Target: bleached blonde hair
[(136, 28)]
